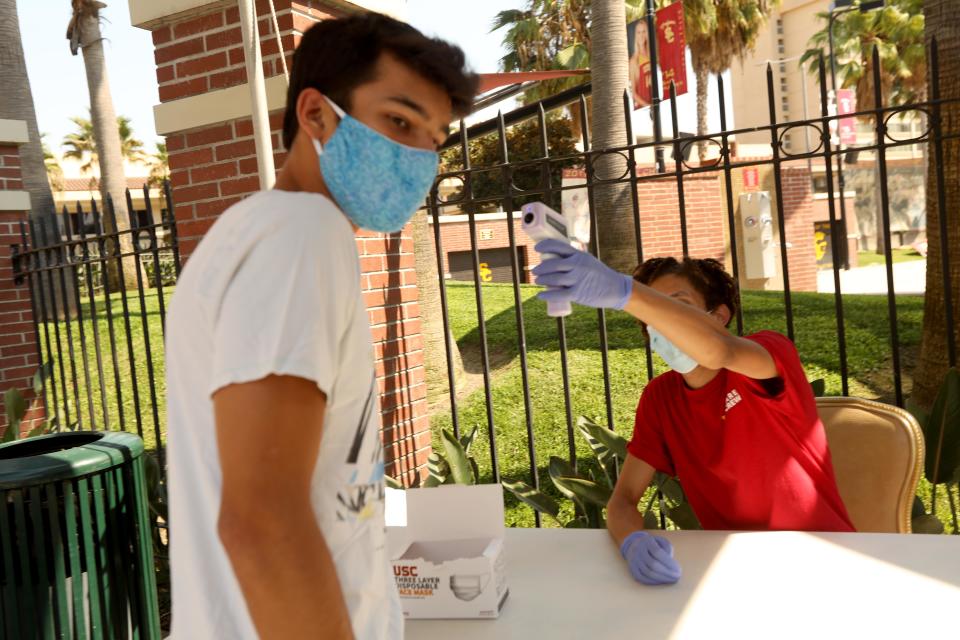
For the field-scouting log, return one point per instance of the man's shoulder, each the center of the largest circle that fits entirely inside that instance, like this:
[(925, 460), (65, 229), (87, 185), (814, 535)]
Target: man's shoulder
[(286, 213)]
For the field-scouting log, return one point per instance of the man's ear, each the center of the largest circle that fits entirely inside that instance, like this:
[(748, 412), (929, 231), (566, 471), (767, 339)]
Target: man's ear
[(723, 314), (315, 118)]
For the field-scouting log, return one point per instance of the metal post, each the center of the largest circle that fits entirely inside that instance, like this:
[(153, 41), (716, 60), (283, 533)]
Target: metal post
[(651, 19), (258, 95), (841, 183)]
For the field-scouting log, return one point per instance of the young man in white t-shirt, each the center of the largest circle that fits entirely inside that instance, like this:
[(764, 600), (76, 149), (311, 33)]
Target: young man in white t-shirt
[(275, 460)]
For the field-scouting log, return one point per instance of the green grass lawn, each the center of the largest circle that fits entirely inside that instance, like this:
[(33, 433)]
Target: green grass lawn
[(868, 355), (902, 254), (118, 395)]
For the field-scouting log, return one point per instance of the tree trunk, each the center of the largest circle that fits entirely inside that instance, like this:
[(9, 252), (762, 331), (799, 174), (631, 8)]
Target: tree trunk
[(113, 181), (431, 316), (878, 210), (614, 205), (942, 24), (703, 80), (16, 103)]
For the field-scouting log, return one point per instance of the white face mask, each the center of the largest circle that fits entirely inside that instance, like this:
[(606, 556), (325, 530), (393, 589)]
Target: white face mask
[(673, 356)]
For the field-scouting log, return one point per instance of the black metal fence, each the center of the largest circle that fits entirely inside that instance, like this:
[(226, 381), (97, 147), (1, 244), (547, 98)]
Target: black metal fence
[(672, 161), (101, 343), (99, 288)]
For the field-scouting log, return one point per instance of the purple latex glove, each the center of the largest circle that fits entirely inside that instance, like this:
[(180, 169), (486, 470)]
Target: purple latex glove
[(650, 558), (576, 276)]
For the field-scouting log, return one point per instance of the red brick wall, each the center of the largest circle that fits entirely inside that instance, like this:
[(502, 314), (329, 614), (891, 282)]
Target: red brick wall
[(455, 237), (706, 217), (215, 166), (660, 217), (10, 168), (799, 214), (18, 347)]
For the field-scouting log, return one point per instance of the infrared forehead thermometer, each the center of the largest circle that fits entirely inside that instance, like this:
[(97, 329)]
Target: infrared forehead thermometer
[(540, 222)]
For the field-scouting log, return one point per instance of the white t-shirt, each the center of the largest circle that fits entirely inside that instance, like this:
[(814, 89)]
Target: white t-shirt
[(274, 288)]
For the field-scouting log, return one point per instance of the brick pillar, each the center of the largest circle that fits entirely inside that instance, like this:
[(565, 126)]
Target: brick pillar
[(18, 347), (200, 62)]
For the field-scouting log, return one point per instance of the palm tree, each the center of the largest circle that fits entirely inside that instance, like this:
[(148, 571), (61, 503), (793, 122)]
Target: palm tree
[(896, 31), (159, 166), (717, 32), (552, 34), (581, 34), (54, 170), (16, 103), (83, 32), (81, 144), (608, 128), (942, 24)]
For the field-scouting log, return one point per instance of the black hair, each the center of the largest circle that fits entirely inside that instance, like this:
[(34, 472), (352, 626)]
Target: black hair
[(706, 275), (337, 56)]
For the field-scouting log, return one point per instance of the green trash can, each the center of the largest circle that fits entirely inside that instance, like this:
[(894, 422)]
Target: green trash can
[(76, 555)]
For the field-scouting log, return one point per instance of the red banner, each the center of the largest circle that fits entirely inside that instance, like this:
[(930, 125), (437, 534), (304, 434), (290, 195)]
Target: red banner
[(672, 48), (846, 104)]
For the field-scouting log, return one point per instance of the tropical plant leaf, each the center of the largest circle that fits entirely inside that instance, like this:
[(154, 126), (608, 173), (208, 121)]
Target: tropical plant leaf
[(467, 440), (917, 412), (611, 439), (589, 492), (650, 520), (605, 457), (438, 471), (944, 418), (926, 524), (392, 482), (40, 377), (39, 430), (16, 406), (684, 517), (819, 387), (475, 467), (672, 490), (595, 519), (560, 468), (457, 459), (533, 498), (575, 56), (9, 435)]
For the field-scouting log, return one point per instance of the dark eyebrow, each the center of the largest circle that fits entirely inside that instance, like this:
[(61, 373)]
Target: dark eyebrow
[(416, 106)]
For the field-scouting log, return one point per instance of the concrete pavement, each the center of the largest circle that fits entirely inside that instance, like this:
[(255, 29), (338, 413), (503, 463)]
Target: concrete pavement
[(908, 278)]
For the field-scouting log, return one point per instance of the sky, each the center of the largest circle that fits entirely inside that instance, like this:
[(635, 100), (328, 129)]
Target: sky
[(58, 80), (59, 84)]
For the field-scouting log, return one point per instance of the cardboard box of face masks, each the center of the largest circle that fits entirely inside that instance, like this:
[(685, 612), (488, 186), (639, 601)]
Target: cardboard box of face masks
[(446, 544)]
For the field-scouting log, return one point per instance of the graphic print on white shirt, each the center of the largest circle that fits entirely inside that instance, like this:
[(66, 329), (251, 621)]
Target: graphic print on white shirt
[(365, 486)]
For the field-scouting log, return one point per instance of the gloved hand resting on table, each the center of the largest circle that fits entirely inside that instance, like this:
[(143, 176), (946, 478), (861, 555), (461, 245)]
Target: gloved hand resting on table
[(576, 276), (650, 558)]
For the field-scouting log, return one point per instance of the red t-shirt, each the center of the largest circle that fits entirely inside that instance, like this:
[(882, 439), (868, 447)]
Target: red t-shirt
[(750, 455)]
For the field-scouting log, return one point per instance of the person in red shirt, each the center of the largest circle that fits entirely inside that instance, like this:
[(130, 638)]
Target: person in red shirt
[(735, 420)]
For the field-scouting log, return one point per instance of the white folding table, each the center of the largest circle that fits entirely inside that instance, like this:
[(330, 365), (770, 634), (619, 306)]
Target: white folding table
[(770, 585)]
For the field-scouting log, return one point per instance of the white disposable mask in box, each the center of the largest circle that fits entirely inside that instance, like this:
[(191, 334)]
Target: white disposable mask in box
[(447, 549)]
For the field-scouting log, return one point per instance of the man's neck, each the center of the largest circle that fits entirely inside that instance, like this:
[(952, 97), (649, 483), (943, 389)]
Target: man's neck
[(289, 180), (700, 377)]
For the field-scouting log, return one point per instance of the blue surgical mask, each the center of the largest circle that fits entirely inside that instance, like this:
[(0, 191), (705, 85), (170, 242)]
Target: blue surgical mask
[(377, 182), (675, 359)]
